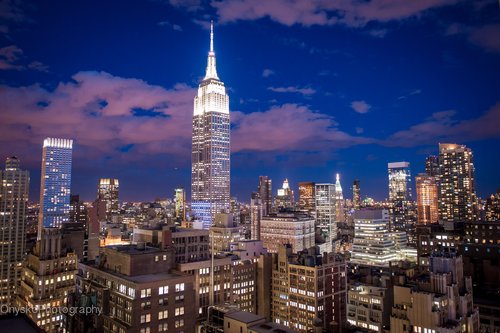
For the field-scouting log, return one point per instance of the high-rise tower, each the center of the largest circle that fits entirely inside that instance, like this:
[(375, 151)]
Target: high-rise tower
[(55, 184), (457, 190), (339, 201), (108, 192), (402, 210), (210, 172), (14, 184)]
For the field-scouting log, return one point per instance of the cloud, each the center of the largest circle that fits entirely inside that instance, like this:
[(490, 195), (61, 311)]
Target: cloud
[(10, 57), (97, 109), (487, 37), (304, 91), (267, 72), (289, 127), (175, 27), (379, 33), (359, 130), (442, 126), (360, 106), (411, 93), (352, 13)]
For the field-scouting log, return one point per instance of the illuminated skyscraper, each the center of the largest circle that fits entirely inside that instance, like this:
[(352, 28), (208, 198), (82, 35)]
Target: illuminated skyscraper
[(266, 194), (307, 196), (180, 203), (55, 183), (108, 192), (400, 198), (356, 194), (427, 199), (210, 173), (457, 187), (339, 201), (285, 197), (325, 213), (432, 165), (14, 185)]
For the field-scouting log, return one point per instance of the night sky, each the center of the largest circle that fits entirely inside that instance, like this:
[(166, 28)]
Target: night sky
[(316, 87)]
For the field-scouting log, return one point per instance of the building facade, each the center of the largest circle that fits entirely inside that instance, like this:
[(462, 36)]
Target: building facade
[(210, 173), (285, 197), (294, 228), (180, 203), (307, 197), (265, 191), (356, 194), (427, 199), (402, 212), (108, 192), (14, 187), (457, 187), (326, 210), (55, 183)]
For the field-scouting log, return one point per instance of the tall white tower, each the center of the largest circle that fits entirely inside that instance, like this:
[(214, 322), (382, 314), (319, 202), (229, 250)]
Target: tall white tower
[(210, 171)]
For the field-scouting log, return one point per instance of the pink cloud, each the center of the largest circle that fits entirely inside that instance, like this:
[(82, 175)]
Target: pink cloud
[(441, 126), (287, 128), (487, 37), (361, 106), (324, 12), (304, 91)]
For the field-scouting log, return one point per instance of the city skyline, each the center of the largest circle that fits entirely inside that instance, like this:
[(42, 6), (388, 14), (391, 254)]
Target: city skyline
[(350, 108)]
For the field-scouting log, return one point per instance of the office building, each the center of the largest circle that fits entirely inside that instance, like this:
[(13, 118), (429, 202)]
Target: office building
[(294, 228), (137, 292), (307, 197), (492, 207), (256, 213), (457, 187), (55, 185), (265, 191), (180, 204), (427, 199), (438, 302), (108, 191), (285, 197), (308, 290), (210, 181), (14, 187), (224, 232), (356, 194), (432, 166), (77, 210), (326, 209), (402, 212), (47, 280)]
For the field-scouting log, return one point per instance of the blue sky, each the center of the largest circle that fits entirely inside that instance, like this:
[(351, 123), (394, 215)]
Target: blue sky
[(316, 87)]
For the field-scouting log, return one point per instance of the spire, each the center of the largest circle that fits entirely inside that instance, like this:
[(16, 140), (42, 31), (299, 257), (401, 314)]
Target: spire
[(211, 72), (338, 187)]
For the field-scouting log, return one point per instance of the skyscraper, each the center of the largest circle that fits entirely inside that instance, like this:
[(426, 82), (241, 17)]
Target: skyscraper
[(307, 196), (339, 201), (432, 165), (356, 194), (14, 185), (266, 194), (325, 214), (210, 173), (180, 203), (285, 197), (55, 184), (427, 199), (457, 190), (108, 192), (400, 196)]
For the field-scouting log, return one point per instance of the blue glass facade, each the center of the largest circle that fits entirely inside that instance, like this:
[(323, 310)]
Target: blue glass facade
[(55, 182)]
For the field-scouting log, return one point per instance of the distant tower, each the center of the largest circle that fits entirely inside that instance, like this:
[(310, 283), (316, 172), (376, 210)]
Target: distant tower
[(108, 192), (325, 214), (339, 201), (180, 203), (55, 183), (265, 190), (307, 196), (427, 199), (14, 185), (285, 197), (432, 166), (457, 190), (400, 197), (356, 194), (210, 173), (256, 214)]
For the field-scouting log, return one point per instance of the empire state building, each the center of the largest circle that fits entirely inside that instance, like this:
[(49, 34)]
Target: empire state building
[(210, 171)]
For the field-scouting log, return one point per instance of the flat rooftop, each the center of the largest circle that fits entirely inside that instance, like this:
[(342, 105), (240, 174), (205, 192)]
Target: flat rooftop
[(244, 317)]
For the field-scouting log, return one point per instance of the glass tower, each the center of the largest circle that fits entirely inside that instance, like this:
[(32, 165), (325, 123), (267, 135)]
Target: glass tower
[(400, 197), (55, 183), (210, 172), (325, 213)]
